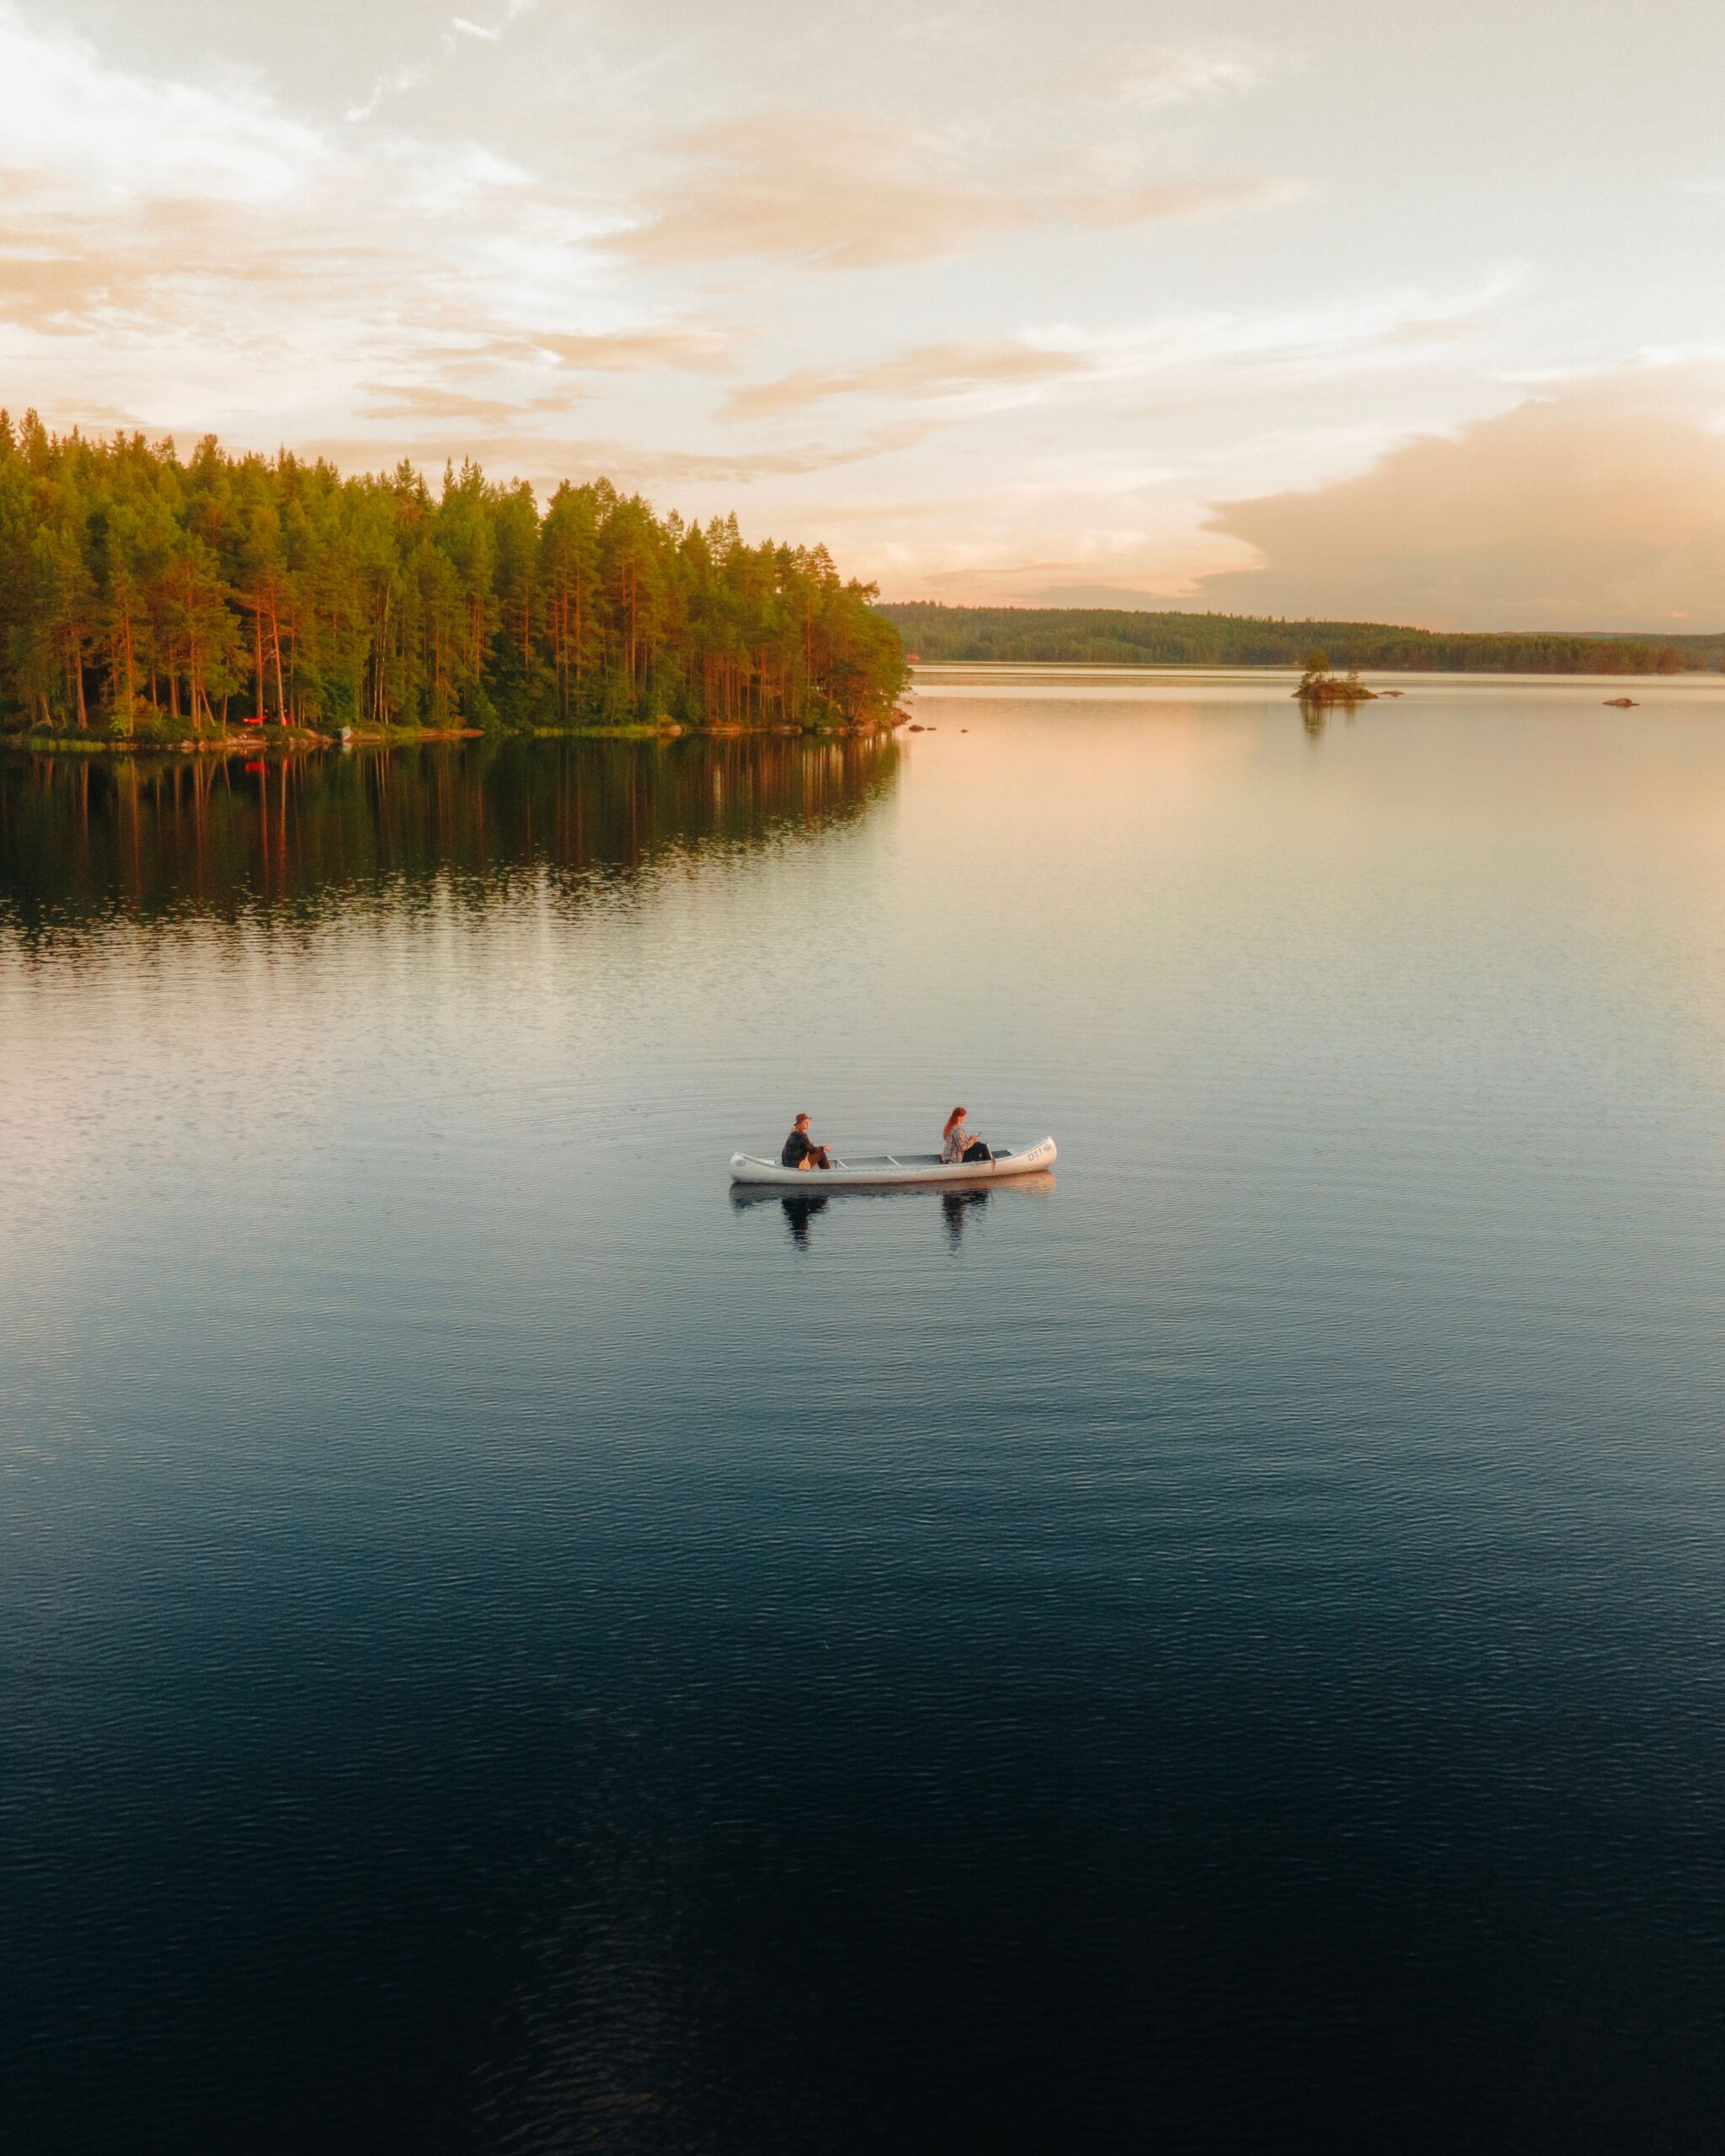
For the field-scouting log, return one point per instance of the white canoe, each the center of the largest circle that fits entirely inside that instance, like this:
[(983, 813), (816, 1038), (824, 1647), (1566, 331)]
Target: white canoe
[(884, 1170)]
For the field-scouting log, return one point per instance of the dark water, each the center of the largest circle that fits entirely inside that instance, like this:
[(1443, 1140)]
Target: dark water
[(503, 1647)]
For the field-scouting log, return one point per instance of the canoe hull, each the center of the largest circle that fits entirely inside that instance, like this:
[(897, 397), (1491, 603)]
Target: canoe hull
[(885, 1173)]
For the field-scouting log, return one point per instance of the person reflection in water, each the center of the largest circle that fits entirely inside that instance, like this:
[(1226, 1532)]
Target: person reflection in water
[(800, 1149), (957, 1205), (799, 1213)]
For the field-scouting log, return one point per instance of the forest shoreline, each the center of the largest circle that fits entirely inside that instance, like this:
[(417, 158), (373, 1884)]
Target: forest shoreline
[(142, 597), (937, 634), (281, 741)]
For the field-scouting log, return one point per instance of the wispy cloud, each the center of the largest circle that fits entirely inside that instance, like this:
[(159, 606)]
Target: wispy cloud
[(1393, 328), (845, 191), (547, 457), (958, 369), (424, 402), (74, 128), (166, 218), (130, 278), (632, 463), (646, 349), (1162, 77), (438, 178), (408, 75), (1383, 330)]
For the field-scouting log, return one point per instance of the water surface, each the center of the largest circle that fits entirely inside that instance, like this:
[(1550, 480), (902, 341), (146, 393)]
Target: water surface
[(504, 1646)]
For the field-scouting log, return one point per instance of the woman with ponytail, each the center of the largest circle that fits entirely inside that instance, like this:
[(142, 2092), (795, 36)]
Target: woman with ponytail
[(958, 1145)]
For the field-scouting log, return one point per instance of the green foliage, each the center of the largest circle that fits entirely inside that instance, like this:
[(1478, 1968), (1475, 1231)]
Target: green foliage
[(142, 597), (1319, 687), (1088, 636)]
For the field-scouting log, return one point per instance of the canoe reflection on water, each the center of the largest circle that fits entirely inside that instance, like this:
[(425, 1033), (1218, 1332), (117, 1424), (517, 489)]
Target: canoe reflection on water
[(956, 1205)]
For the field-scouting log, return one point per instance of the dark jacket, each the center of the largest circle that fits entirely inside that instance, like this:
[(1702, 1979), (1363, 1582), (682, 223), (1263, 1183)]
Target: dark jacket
[(797, 1148)]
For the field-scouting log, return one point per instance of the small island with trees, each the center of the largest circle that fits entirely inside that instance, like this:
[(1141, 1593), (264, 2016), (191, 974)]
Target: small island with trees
[(1319, 685), (226, 602)]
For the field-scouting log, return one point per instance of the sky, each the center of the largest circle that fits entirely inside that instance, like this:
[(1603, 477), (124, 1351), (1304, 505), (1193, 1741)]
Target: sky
[(1315, 306)]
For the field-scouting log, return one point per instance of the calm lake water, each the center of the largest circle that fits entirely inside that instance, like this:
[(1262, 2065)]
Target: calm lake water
[(505, 1647)]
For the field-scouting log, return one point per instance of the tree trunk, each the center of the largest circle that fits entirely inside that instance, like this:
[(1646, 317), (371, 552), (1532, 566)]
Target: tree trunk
[(132, 693), (276, 641)]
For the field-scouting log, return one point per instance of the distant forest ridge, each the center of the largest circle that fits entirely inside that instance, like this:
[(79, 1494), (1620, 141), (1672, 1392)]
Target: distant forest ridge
[(145, 595), (1082, 636)]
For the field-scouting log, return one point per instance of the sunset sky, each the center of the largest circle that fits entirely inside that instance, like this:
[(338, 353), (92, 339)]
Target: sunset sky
[(1402, 312)]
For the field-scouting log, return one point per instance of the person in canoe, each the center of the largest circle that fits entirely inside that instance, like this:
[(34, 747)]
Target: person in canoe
[(956, 1143), (801, 1150)]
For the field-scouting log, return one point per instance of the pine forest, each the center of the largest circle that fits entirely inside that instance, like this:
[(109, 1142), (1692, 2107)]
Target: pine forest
[(146, 597)]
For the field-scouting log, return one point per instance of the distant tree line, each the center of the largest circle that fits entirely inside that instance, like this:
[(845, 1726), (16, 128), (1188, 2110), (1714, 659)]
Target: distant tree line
[(140, 594), (1088, 636)]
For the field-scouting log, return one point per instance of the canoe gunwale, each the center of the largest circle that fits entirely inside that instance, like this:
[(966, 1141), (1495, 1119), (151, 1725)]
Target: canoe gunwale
[(891, 1174)]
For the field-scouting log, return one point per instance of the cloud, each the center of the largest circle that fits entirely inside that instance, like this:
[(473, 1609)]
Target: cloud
[(422, 402), (394, 82), (435, 179), (848, 191), (177, 217), (1159, 203), (495, 438), (130, 275), (631, 465), (75, 129), (1165, 76), (408, 75), (1598, 504), (1090, 569), (1384, 330), (1393, 330), (644, 349), (927, 371)]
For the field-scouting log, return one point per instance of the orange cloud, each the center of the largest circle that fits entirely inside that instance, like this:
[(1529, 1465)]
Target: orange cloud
[(844, 191), (66, 274), (929, 369), (1598, 506), (485, 434), (619, 351), (424, 401)]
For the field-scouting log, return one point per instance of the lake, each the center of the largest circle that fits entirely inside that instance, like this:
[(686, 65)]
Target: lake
[(505, 1647)]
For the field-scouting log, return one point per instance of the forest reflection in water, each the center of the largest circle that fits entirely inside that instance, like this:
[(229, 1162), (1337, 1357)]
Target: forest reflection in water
[(87, 839)]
